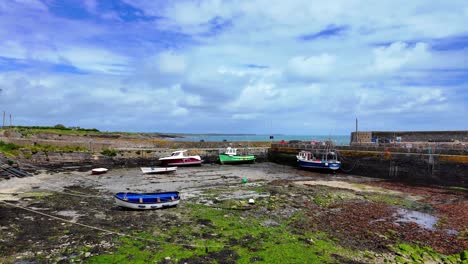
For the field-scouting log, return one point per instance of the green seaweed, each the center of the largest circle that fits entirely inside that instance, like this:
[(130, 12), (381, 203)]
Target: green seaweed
[(217, 230), (415, 254)]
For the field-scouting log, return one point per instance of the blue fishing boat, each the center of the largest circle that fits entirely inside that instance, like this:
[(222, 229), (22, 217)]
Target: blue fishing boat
[(144, 201), (321, 156)]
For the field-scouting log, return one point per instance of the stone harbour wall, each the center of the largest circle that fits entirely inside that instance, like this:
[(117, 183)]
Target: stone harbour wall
[(59, 161), (418, 168), (411, 136)]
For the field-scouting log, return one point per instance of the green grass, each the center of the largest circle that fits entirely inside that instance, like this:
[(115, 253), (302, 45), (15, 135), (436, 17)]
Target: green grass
[(109, 152), (31, 130), (47, 148), (10, 149)]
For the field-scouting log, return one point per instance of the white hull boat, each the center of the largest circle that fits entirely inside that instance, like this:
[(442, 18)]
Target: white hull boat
[(99, 171), (178, 158), (148, 170)]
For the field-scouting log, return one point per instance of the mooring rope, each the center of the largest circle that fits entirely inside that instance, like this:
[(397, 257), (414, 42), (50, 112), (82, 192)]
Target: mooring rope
[(342, 158), (107, 231)]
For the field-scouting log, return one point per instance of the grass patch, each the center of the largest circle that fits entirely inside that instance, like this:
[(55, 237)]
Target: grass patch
[(10, 149), (109, 152), (50, 148)]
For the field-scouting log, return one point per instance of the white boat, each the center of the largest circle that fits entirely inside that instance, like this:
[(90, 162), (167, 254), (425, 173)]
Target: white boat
[(145, 201), (146, 170), (178, 158), (99, 171)]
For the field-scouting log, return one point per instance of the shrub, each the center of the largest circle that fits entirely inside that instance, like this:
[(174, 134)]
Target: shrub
[(8, 146), (109, 152)]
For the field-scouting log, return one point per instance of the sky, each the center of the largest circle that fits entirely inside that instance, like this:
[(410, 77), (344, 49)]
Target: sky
[(266, 66)]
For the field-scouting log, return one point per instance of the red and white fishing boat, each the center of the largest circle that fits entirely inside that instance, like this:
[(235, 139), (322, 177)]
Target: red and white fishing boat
[(178, 158)]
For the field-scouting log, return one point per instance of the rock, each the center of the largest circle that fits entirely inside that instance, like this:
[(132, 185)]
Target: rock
[(270, 223), (87, 254), (167, 258)]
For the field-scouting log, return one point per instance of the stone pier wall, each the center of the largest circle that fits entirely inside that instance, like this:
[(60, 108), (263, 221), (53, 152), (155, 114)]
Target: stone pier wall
[(418, 168), (123, 158)]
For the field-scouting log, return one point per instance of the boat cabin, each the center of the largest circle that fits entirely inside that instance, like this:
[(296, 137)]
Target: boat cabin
[(231, 151), (305, 155), (325, 156), (178, 153)]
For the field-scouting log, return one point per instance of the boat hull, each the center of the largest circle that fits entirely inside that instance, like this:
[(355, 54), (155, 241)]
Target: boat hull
[(228, 159), (319, 165), (181, 162), (147, 201), (99, 171), (158, 170)]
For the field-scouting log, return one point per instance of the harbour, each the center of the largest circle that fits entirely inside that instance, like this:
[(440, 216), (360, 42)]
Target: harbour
[(235, 213)]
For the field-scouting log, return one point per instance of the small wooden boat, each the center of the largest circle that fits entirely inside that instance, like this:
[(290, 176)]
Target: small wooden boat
[(145, 201), (158, 170), (230, 156), (99, 171)]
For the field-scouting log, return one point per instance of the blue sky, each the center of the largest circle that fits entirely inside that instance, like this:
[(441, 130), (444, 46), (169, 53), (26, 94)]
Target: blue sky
[(292, 67)]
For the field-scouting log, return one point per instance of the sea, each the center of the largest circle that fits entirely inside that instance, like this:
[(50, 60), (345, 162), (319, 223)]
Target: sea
[(341, 140)]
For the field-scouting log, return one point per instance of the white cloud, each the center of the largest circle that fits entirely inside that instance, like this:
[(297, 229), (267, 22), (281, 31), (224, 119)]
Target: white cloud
[(398, 55), (249, 116), (210, 62), (171, 63), (312, 66)]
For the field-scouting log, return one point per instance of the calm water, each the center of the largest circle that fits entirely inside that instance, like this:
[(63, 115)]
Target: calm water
[(339, 140)]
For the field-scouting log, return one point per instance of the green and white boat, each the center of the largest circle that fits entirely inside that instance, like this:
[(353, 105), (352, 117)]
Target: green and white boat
[(231, 157)]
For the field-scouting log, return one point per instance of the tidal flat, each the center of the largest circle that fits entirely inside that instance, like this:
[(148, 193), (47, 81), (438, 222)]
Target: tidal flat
[(298, 217)]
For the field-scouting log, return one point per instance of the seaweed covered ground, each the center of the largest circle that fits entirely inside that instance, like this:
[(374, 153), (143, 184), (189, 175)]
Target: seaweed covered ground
[(298, 217)]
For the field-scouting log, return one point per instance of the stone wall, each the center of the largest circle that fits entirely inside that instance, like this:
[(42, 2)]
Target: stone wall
[(419, 168), (98, 144), (412, 136), (59, 161)]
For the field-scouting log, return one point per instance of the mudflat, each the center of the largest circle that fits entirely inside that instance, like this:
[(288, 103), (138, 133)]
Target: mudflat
[(297, 216)]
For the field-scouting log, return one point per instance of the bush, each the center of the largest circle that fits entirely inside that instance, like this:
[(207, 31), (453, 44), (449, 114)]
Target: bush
[(109, 152), (8, 146)]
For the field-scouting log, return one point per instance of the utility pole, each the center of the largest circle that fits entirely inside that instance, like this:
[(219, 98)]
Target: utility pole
[(356, 134), (10, 120), (3, 123)]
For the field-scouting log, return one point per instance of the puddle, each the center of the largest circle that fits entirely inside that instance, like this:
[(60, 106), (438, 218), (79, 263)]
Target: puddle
[(424, 220)]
